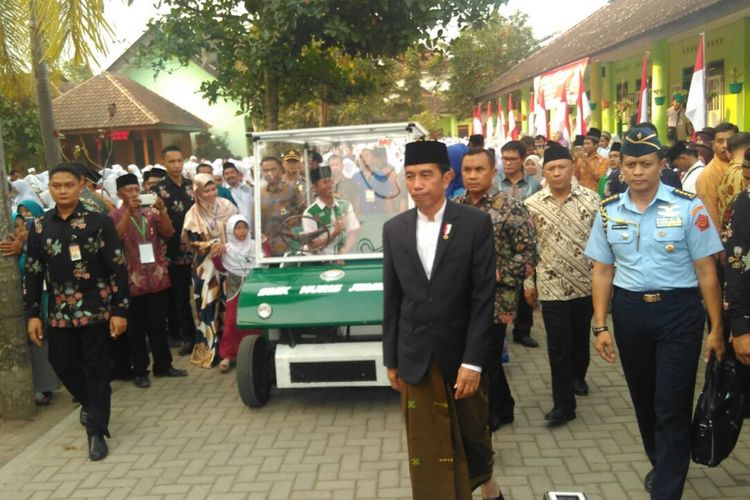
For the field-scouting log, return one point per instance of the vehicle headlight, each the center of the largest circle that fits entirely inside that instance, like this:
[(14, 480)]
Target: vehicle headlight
[(265, 311)]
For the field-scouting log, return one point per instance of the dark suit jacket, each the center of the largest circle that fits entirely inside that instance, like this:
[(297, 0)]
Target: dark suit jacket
[(448, 317)]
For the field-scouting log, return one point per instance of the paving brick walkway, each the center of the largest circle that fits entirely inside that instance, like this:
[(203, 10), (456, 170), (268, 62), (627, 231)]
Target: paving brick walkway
[(192, 438)]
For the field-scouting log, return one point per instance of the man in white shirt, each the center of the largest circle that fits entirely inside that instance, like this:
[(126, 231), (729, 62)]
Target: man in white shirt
[(439, 293), (241, 192), (684, 157)]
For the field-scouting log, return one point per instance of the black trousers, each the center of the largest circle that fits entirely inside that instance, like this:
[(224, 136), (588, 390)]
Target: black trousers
[(500, 399), (80, 357), (742, 371), (567, 323), (524, 317), (181, 325), (148, 316), (659, 345)]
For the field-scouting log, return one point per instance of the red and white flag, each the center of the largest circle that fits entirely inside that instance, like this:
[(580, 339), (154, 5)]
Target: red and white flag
[(490, 125), (695, 109), (512, 127), (531, 118), (477, 127), (562, 120), (643, 94), (581, 104), (540, 115), (500, 133)]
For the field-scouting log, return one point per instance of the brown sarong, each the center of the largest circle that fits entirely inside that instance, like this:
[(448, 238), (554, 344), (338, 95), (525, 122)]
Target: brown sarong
[(450, 450)]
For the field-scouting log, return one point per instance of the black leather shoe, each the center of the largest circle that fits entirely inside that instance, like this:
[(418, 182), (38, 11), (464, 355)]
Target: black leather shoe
[(83, 416), (581, 388), (97, 448), (142, 381), (558, 416), (171, 372), (526, 341), (648, 482), (494, 422)]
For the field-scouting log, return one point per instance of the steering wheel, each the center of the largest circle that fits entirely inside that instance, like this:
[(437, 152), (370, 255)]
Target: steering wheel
[(289, 236)]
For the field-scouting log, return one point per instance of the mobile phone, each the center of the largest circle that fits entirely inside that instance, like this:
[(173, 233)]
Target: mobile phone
[(147, 199)]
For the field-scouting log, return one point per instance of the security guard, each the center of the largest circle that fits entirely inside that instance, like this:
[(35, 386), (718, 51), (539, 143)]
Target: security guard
[(662, 243)]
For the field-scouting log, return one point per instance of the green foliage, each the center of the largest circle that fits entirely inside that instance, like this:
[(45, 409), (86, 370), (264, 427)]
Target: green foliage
[(479, 56), (76, 73), (261, 44), (23, 141), (211, 147)]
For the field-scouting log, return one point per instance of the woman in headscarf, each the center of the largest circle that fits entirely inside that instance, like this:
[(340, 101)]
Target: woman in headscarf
[(532, 167), (236, 259), (23, 192), (45, 380), (205, 225)]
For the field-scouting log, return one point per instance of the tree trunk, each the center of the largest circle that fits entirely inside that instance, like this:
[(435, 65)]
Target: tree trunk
[(16, 386), (44, 97), (271, 110)]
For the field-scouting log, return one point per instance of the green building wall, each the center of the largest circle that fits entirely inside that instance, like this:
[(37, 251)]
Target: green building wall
[(182, 87)]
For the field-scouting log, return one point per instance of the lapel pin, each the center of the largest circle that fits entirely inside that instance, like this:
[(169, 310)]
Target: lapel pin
[(446, 231)]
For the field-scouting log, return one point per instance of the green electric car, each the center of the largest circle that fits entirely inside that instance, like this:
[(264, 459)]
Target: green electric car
[(320, 311)]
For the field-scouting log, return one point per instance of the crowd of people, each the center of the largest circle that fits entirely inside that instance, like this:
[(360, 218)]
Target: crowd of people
[(120, 263), (657, 234)]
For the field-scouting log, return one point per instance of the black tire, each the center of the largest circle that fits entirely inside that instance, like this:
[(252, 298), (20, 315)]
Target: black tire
[(254, 371)]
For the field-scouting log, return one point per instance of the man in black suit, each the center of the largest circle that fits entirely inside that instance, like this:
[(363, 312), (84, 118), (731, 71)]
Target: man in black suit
[(439, 285)]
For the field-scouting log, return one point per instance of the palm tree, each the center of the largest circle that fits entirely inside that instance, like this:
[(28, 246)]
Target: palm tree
[(34, 34)]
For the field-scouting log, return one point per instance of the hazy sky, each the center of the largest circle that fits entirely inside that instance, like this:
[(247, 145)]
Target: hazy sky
[(547, 17)]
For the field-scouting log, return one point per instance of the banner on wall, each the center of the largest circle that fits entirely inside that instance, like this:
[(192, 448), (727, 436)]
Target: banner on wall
[(565, 78)]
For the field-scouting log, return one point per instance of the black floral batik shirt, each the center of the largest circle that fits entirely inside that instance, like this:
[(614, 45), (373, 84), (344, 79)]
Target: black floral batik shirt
[(82, 260), (178, 200)]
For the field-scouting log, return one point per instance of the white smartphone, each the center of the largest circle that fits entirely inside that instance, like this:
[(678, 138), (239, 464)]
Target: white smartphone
[(147, 199)]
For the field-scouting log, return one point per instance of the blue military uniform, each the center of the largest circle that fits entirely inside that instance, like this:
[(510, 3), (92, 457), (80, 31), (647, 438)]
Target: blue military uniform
[(657, 313)]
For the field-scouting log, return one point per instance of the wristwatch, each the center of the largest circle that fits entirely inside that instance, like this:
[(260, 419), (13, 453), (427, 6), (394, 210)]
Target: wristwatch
[(596, 330)]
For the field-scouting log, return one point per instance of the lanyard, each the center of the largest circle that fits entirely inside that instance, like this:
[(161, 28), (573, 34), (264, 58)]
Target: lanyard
[(141, 229)]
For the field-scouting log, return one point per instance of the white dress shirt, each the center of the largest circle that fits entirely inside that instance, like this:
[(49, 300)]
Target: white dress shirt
[(428, 234), (243, 195), (691, 176)]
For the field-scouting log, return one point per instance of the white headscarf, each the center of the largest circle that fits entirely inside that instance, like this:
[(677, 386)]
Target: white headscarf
[(239, 257), (24, 192)]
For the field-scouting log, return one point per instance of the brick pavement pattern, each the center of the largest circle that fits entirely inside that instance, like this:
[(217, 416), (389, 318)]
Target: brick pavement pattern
[(193, 438)]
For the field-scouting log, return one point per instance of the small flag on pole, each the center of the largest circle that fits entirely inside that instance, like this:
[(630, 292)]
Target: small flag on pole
[(490, 125), (512, 127), (695, 109), (540, 115), (581, 103)]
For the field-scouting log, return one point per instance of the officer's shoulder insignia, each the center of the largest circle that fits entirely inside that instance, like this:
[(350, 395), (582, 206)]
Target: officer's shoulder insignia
[(610, 199), (684, 194)]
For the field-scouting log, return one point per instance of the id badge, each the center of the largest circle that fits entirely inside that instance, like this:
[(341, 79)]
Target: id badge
[(370, 196), (146, 252), (75, 252)]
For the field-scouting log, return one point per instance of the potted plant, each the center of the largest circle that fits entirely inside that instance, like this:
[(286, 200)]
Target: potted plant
[(659, 98), (623, 107), (605, 104), (735, 85), (592, 105), (680, 95)]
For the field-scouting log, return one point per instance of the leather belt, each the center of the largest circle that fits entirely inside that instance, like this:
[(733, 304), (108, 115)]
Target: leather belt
[(658, 295)]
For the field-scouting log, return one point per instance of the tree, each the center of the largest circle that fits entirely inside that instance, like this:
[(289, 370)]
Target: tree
[(479, 56), (40, 31), (23, 140), (36, 30), (259, 42)]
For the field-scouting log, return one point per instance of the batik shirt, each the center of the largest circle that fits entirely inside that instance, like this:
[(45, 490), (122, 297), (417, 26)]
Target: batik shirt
[(737, 267), (515, 245), (278, 203), (143, 278), (178, 200), (328, 216), (84, 264), (562, 230)]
